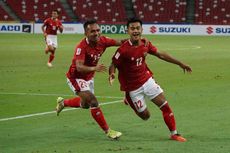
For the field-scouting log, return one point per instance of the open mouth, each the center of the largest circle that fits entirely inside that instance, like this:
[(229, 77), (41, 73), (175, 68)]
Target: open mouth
[(136, 35), (95, 38)]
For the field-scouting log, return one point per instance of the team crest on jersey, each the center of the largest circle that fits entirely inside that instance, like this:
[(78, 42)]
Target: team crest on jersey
[(78, 52), (117, 55)]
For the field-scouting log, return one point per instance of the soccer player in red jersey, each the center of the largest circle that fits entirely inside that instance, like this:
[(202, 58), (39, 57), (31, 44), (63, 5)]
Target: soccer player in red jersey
[(49, 29), (136, 78), (81, 73)]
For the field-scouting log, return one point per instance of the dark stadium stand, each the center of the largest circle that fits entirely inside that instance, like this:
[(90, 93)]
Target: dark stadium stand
[(114, 11), (212, 12), (103, 10), (4, 16), (36, 10), (160, 11)]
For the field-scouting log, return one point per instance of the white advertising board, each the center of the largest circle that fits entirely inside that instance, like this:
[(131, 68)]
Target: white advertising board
[(16, 28), (151, 29), (206, 30), (68, 28)]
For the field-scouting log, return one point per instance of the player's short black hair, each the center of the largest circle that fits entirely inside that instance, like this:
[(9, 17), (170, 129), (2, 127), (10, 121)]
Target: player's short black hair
[(132, 20), (88, 22)]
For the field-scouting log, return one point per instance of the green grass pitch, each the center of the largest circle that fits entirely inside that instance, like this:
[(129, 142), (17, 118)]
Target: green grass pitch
[(200, 100)]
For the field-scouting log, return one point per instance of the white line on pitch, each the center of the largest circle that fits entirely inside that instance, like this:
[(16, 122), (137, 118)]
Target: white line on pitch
[(184, 48), (48, 94), (51, 112)]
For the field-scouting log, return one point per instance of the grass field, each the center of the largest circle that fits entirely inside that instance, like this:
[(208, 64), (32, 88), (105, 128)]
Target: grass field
[(200, 100)]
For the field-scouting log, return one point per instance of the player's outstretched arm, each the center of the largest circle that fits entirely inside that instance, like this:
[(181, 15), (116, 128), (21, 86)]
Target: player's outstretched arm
[(121, 41), (112, 71), (170, 59), (85, 69)]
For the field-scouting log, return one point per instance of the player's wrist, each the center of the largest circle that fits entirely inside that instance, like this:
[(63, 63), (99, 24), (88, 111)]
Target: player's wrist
[(94, 68)]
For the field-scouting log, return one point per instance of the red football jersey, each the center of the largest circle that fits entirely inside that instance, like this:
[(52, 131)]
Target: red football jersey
[(130, 62), (90, 56), (52, 26)]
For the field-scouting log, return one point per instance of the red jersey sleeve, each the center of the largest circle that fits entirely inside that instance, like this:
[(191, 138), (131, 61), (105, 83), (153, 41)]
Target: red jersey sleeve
[(117, 57), (109, 42), (46, 22), (152, 49), (80, 53)]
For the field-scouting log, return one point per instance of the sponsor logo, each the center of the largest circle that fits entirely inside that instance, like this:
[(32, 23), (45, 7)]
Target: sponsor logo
[(209, 30), (68, 29), (218, 30), (26, 28), (113, 29), (174, 30), (153, 29), (10, 28), (223, 30)]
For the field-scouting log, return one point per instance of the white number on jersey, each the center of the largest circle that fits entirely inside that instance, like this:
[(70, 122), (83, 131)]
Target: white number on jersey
[(139, 61)]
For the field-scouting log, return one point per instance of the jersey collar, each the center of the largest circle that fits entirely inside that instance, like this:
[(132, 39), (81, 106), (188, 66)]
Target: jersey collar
[(87, 40), (130, 42)]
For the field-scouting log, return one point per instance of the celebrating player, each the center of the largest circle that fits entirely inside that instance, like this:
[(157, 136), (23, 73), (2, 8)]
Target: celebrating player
[(50, 28), (136, 79), (81, 73)]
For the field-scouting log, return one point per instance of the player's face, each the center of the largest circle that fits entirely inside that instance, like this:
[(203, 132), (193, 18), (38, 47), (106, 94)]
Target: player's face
[(135, 30), (93, 32), (54, 15)]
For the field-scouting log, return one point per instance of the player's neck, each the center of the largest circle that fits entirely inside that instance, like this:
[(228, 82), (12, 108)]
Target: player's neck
[(136, 42), (91, 43), (53, 18)]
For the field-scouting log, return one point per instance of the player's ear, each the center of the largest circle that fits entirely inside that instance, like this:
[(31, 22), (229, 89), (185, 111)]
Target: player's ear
[(85, 32)]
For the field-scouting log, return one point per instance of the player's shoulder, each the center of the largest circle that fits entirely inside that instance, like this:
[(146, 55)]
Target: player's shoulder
[(49, 19), (104, 39), (59, 21), (46, 20), (125, 45), (82, 44)]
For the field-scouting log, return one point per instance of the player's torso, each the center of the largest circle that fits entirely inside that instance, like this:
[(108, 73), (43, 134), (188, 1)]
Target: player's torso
[(134, 69), (93, 54), (52, 26), (134, 59)]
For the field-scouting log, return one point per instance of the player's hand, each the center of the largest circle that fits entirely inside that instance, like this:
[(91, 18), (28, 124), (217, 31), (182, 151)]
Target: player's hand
[(111, 78), (100, 68), (186, 68), (60, 28)]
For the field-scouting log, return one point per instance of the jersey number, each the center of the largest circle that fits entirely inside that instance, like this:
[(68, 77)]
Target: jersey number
[(83, 84), (139, 61), (138, 104)]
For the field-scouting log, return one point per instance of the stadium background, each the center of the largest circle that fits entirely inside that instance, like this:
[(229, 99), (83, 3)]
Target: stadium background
[(215, 12), (28, 89)]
